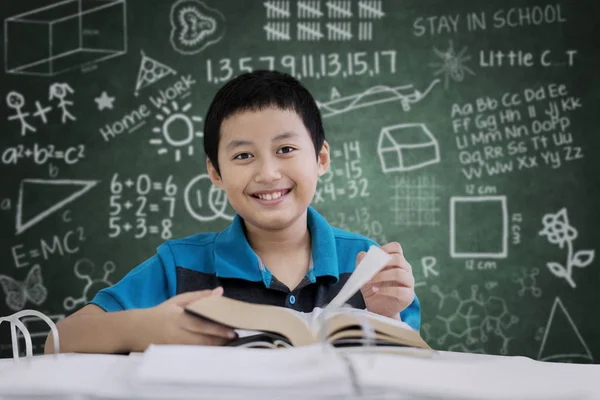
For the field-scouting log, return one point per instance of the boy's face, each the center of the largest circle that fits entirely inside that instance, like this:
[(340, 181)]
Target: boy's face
[(269, 168)]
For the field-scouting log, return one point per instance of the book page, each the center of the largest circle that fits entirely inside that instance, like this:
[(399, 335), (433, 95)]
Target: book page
[(373, 262), (253, 317), (399, 330)]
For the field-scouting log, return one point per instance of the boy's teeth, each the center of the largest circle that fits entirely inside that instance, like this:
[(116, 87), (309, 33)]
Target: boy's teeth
[(270, 196)]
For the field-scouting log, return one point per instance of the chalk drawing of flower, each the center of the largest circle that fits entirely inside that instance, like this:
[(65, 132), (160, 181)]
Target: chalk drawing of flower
[(558, 231)]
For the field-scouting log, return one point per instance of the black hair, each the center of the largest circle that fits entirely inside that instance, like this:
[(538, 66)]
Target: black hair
[(255, 91)]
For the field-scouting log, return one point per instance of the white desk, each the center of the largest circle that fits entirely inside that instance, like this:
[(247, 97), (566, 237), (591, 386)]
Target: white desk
[(446, 376)]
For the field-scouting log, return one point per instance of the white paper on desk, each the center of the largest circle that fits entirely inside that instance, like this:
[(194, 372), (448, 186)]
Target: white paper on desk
[(56, 374), (294, 368), (477, 377)]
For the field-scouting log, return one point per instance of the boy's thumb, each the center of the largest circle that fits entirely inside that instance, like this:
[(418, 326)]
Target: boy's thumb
[(188, 297), (360, 256)]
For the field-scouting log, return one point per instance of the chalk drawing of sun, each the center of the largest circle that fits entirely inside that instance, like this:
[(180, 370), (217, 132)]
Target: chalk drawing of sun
[(177, 130)]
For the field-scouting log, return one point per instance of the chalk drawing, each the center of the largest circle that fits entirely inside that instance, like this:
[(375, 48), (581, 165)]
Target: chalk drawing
[(415, 201), (452, 65), (60, 91), (16, 101), (470, 321), (195, 26), (150, 72), (339, 27), (308, 9), (104, 101), (81, 187), (339, 8), (527, 281), (407, 95), (168, 134), (497, 249), (406, 147), (558, 231), (561, 338), (370, 9), (206, 202), (277, 9), (427, 263), (95, 39), (41, 111), (18, 293), (92, 286)]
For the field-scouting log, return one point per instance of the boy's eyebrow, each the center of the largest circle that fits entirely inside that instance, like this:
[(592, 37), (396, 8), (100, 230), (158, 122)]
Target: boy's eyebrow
[(235, 143), (285, 135)]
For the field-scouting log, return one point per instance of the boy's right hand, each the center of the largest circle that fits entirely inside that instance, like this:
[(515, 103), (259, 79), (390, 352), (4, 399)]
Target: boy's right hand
[(168, 323)]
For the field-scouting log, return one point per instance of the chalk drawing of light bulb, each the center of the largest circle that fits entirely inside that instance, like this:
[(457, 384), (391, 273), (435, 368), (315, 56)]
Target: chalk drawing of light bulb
[(84, 270), (177, 130)]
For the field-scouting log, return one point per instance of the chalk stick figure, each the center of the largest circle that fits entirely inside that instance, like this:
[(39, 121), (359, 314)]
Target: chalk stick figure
[(60, 91), (16, 101)]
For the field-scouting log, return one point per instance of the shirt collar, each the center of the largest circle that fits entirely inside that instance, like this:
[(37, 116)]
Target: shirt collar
[(234, 258)]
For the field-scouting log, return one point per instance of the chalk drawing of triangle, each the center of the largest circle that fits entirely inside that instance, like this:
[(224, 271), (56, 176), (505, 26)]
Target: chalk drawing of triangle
[(562, 341), (38, 193)]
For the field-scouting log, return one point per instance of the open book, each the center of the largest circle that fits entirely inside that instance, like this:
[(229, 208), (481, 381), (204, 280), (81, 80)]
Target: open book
[(274, 326)]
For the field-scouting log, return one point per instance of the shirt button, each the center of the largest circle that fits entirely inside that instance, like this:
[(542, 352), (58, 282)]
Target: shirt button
[(292, 299)]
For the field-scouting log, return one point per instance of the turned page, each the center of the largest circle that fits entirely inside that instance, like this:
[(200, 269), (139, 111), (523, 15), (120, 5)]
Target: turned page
[(373, 262)]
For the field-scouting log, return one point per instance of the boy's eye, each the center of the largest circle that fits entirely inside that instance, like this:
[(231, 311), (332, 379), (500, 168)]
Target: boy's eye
[(285, 150), (242, 156)]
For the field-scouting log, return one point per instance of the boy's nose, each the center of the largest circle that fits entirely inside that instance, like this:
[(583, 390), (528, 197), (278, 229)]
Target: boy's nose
[(268, 172)]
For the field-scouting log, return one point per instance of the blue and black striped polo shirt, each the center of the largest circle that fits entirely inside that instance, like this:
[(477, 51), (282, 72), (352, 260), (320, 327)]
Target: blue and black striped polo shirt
[(208, 260)]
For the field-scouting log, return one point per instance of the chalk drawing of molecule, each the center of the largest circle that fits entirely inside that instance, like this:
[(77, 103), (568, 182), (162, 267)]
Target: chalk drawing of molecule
[(92, 286), (471, 321), (528, 283)]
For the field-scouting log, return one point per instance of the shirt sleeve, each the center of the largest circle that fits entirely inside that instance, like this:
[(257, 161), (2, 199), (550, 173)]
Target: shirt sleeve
[(412, 314), (143, 287)]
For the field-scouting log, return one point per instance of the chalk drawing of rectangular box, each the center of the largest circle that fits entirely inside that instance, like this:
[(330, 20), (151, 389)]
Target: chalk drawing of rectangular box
[(406, 147), (493, 234), (63, 36)]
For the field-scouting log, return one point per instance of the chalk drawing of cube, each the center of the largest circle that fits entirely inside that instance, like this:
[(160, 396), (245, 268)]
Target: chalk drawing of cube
[(478, 227), (63, 36), (406, 147)]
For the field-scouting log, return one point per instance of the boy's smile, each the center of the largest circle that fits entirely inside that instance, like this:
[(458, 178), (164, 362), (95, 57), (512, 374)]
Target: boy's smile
[(271, 197), (268, 166)]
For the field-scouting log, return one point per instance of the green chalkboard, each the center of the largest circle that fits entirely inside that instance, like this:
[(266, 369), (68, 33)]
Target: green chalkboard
[(465, 130)]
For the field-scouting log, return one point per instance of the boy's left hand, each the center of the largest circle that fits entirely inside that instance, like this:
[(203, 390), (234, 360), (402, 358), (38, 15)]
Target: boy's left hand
[(393, 288)]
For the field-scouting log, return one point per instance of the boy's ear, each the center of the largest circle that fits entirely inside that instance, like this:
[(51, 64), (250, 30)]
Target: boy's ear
[(323, 158), (214, 176)]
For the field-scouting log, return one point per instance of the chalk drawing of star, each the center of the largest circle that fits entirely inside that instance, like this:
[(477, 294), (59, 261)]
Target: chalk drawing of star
[(104, 101)]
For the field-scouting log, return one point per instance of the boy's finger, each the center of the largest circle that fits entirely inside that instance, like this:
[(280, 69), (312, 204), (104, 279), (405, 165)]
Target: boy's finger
[(207, 340), (205, 327), (393, 248), (398, 261), (393, 277), (360, 256), (394, 292)]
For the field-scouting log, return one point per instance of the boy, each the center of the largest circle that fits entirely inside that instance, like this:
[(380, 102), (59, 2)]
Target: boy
[(266, 149)]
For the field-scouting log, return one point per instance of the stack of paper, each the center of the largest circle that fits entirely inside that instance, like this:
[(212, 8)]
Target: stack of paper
[(224, 371), (60, 376), (476, 377)]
